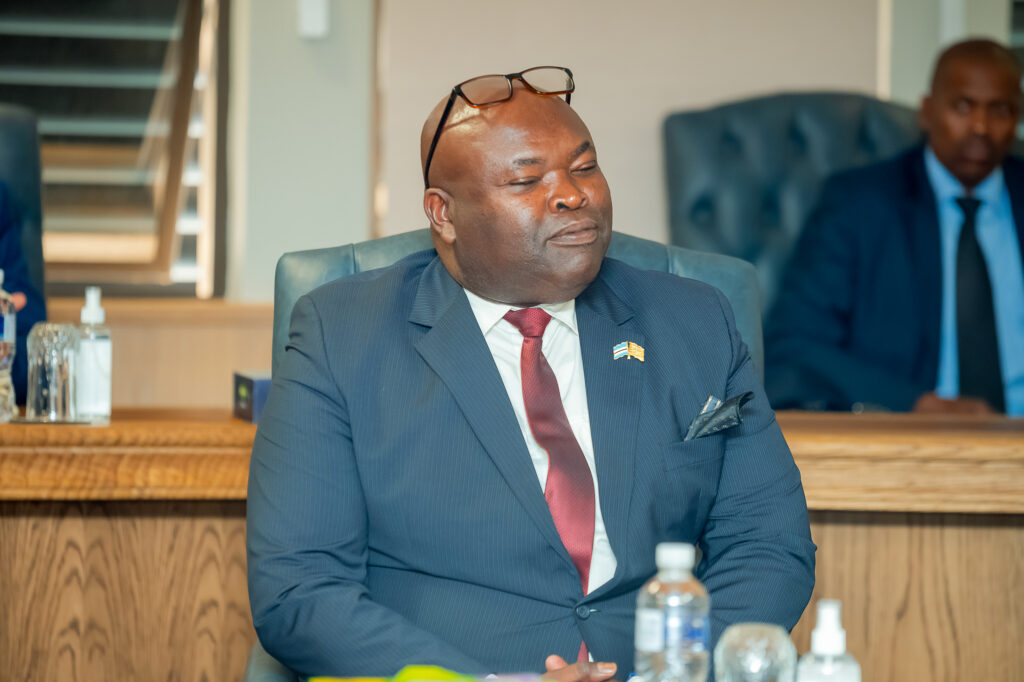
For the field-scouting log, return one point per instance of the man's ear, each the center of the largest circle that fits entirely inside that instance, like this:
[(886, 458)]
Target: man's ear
[(437, 206)]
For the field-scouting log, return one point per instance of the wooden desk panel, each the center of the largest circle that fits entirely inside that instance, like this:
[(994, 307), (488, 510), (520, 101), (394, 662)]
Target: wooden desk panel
[(141, 591), (122, 551)]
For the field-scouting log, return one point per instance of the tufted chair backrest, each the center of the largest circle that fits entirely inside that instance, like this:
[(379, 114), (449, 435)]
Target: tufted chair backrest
[(299, 272), (742, 177)]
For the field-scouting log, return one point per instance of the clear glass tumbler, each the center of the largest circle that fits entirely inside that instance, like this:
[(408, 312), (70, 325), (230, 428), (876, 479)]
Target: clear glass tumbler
[(52, 352), (755, 652)]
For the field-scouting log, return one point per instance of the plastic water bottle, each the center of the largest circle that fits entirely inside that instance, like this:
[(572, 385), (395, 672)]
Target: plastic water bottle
[(828, 660), (92, 381), (672, 620), (8, 347)]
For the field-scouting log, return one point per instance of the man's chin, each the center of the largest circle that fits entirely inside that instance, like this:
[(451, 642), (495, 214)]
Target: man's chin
[(972, 171)]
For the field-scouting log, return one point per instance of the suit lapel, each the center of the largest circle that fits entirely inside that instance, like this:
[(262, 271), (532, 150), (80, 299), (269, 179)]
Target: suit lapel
[(921, 219), (613, 399), (1013, 174), (456, 350)]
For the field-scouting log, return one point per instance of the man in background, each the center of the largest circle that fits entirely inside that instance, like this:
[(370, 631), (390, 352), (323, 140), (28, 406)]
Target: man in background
[(456, 466), (28, 302), (905, 291)]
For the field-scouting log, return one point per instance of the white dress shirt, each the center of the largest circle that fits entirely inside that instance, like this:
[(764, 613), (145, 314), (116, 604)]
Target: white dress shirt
[(561, 348)]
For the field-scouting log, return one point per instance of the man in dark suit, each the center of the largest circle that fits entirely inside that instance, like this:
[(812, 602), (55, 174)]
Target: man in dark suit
[(456, 467), (905, 291), (28, 302)]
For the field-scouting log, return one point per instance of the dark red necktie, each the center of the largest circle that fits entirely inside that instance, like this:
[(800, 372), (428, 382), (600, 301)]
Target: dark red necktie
[(569, 489)]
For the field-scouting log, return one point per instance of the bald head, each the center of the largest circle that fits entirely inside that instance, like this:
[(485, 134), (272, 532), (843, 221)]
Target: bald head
[(460, 119), (519, 210), (978, 50), (466, 126)]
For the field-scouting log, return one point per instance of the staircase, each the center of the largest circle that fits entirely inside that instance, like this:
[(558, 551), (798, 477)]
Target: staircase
[(121, 137)]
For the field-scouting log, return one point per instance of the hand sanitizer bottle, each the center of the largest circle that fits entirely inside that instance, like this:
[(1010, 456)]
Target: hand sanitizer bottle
[(828, 660), (92, 386)]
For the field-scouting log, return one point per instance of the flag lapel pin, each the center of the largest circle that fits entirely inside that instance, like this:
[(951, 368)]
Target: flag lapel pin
[(628, 349)]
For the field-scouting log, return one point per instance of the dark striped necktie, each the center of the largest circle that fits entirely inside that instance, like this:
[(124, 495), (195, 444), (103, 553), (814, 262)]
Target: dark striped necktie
[(977, 343)]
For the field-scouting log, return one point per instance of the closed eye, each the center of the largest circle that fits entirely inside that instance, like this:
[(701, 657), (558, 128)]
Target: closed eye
[(523, 182)]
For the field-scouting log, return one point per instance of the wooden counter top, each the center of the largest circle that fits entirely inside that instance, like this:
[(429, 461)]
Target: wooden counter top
[(142, 455), (865, 462), (904, 462)]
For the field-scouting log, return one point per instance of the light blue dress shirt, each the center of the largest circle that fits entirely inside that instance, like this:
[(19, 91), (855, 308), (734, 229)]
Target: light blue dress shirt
[(997, 235)]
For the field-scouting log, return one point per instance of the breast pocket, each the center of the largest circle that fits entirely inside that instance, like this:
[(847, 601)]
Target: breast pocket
[(691, 453), (688, 486)]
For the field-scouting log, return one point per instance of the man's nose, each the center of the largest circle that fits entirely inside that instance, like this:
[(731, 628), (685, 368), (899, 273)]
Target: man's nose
[(979, 121), (567, 195)]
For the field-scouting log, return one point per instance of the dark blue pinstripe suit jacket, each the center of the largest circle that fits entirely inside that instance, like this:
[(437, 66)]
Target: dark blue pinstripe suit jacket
[(394, 515)]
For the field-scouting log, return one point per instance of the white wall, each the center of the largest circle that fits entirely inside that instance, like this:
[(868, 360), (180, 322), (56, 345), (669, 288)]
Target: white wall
[(922, 28), (635, 62), (299, 145), (301, 127)]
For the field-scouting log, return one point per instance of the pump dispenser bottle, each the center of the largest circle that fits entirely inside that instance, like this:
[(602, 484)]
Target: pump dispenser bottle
[(92, 386), (828, 660)]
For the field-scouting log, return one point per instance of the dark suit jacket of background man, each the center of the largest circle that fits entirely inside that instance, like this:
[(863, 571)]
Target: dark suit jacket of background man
[(17, 278), (857, 317), (395, 517)]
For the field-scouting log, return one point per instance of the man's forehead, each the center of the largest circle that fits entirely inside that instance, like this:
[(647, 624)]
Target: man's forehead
[(526, 125), (967, 72)]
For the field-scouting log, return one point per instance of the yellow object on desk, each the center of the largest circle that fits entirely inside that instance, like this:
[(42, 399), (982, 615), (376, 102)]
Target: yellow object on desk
[(410, 673)]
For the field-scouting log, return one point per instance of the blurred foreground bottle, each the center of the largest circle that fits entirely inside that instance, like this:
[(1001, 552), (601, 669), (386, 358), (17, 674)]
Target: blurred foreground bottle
[(672, 620), (8, 346), (92, 383), (828, 660)]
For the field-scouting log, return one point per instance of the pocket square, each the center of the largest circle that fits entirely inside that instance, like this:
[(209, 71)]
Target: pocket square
[(718, 416)]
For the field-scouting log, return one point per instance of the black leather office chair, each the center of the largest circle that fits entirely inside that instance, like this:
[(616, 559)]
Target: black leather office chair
[(742, 177), (20, 172)]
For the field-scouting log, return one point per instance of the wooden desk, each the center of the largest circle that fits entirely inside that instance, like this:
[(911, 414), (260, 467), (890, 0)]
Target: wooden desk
[(122, 550)]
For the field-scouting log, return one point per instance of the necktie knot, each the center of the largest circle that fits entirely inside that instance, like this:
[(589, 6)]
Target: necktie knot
[(531, 322), (969, 205)]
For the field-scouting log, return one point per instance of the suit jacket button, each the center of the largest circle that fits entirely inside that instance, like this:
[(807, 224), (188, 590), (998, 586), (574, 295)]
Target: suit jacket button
[(583, 612)]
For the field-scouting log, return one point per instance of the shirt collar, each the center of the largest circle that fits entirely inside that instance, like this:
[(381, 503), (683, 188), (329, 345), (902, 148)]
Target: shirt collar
[(489, 313), (947, 187)]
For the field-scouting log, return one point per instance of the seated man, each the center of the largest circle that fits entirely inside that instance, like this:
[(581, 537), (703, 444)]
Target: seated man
[(905, 291), (28, 302), (453, 468)]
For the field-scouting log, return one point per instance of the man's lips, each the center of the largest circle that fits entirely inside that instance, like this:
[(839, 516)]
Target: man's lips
[(978, 151), (577, 234)]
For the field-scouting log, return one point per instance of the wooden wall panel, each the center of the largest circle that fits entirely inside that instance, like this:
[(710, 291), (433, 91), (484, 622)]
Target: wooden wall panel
[(179, 353), (936, 597), (123, 591)]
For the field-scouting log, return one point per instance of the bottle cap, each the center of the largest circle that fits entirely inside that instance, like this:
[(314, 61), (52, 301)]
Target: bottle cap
[(829, 637), (668, 555), (92, 311)]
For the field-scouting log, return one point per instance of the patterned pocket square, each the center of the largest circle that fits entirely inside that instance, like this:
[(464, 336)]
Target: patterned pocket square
[(718, 416)]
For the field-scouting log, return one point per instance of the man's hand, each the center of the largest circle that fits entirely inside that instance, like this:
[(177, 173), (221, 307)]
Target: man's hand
[(19, 300), (929, 403), (583, 671)]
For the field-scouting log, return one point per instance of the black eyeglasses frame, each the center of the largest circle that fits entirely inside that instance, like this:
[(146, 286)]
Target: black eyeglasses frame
[(457, 91)]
